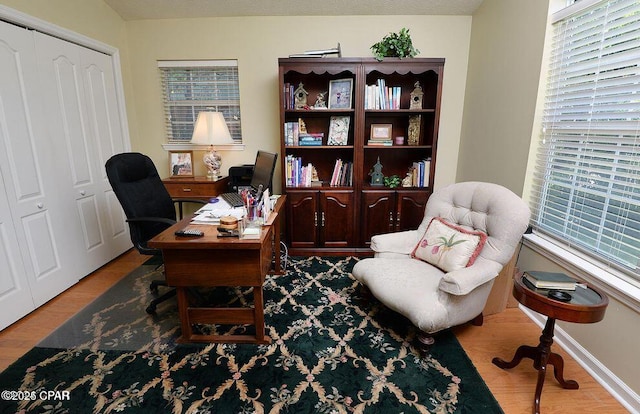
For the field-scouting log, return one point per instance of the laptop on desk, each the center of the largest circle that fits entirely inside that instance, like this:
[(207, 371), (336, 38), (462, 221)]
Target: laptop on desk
[(261, 179)]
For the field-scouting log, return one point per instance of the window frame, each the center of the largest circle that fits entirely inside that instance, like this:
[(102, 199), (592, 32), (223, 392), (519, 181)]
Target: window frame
[(624, 284), (184, 144)]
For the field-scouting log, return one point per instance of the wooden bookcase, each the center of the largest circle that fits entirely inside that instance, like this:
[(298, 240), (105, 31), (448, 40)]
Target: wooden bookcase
[(340, 218)]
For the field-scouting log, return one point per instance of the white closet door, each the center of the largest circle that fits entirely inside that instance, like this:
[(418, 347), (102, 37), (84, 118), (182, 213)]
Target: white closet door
[(30, 169), (76, 89), (109, 139)]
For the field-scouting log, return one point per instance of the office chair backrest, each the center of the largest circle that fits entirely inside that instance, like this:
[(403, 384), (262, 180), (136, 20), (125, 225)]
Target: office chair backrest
[(137, 185)]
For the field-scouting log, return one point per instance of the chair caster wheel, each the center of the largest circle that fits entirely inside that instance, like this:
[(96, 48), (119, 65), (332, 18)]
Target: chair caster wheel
[(151, 309)]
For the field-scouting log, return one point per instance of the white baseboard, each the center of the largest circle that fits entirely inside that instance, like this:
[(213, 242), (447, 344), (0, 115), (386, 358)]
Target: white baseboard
[(616, 387)]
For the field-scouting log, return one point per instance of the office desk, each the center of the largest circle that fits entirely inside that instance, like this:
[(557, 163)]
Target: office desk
[(210, 261)]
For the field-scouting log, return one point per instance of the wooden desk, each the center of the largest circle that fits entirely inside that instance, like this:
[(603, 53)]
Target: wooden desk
[(196, 187), (586, 306), (210, 261)]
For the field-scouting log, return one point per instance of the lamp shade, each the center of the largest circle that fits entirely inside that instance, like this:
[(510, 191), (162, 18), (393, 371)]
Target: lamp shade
[(211, 129)]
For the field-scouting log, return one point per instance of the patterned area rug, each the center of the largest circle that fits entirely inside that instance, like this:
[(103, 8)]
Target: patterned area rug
[(332, 351)]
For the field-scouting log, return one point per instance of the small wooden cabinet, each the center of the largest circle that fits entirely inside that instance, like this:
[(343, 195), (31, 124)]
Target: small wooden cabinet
[(350, 134), (196, 187), (385, 211), (320, 219)]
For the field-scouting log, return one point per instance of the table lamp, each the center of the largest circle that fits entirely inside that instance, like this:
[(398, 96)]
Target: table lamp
[(211, 129)]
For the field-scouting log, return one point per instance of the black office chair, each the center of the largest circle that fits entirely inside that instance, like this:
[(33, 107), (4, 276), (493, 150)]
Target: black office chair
[(147, 205)]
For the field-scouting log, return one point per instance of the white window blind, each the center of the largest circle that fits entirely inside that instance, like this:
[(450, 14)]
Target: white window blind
[(587, 179), (193, 86)]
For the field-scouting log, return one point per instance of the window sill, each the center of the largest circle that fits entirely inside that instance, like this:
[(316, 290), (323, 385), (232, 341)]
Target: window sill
[(612, 282), (187, 146)]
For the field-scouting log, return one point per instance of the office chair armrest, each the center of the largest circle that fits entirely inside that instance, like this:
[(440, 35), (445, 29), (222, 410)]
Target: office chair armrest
[(152, 219), (181, 201)]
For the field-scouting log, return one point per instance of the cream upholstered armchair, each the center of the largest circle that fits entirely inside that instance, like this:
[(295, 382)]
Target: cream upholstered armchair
[(470, 230)]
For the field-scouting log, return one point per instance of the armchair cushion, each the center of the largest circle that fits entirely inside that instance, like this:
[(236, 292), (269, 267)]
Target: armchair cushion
[(447, 246)]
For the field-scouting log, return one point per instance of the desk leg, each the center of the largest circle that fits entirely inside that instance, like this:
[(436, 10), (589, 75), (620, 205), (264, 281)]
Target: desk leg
[(276, 248), (258, 318), (183, 309), (541, 356)]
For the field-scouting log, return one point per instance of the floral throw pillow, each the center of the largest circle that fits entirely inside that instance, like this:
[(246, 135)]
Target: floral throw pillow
[(448, 246)]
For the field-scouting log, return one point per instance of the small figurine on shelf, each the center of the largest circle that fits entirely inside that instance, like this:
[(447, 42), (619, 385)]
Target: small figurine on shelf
[(414, 129), (315, 181), (302, 127), (408, 180), (300, 96), (416, 96), (377, 177), (321, 103)]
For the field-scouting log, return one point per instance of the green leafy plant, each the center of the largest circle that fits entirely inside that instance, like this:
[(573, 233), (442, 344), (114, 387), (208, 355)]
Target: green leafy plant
[(392, 181), (395, 45)]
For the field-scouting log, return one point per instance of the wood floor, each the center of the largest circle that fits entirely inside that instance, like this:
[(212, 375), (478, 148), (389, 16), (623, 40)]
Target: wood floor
[(500, 335)]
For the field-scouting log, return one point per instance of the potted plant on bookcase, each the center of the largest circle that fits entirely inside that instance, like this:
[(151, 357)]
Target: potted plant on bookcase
[(395, 45)]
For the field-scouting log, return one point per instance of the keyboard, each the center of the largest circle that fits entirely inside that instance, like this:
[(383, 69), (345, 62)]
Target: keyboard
[(233, 199)]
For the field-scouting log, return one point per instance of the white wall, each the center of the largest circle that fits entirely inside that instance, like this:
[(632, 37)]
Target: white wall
[(258, 42)]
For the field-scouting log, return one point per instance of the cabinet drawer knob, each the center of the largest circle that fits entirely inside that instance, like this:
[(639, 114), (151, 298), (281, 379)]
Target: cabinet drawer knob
[(315, 218), (40, 205), (83, 192), (186, 190)]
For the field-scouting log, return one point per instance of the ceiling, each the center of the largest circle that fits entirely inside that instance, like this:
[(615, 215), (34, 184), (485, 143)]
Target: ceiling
[(176, 9)]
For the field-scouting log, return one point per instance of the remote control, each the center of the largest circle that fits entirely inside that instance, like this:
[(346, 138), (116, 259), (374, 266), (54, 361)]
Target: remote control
[(189, 233), (228, 233)]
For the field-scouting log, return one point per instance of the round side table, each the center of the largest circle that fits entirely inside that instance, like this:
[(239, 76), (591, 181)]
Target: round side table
[(587, 305)]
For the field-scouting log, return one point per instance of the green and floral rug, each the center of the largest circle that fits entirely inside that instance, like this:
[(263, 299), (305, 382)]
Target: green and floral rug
[(332, 351)]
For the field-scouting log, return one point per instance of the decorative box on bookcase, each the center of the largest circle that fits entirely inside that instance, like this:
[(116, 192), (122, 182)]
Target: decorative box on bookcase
[(332, 206)]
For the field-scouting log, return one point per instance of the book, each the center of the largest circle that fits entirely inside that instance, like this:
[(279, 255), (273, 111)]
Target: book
[(550, 280)]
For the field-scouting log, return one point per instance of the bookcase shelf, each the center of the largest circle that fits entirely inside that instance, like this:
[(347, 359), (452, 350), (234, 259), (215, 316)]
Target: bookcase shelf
[(340, 219)]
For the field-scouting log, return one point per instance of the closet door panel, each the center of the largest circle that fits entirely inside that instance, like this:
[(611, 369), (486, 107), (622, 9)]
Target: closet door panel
[(106, 131), (17, 73), (15, 292), (62, 95)]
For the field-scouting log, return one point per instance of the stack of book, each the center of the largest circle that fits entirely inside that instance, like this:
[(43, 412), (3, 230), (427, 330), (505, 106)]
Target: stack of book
[(314, 139), (291, 133), (550, 280), (299, 175), (420, 173), (342, 173), (380, 142), (293, 136), (381, 96), (287, 92)]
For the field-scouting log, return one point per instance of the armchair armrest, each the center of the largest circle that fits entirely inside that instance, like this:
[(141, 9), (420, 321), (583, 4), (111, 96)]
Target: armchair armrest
[(401, 243), (463, 281)]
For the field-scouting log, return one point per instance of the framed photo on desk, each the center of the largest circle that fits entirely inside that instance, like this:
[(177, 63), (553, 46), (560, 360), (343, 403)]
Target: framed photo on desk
[(180, 163)]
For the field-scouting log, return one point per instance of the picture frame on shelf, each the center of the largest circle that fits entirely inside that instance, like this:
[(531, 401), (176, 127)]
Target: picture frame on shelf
[(338, 130), (381, 132), (340, 93), (181, 164)]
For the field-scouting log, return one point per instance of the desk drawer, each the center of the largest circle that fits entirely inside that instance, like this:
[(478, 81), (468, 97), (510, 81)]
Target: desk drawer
[(190, 189)]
